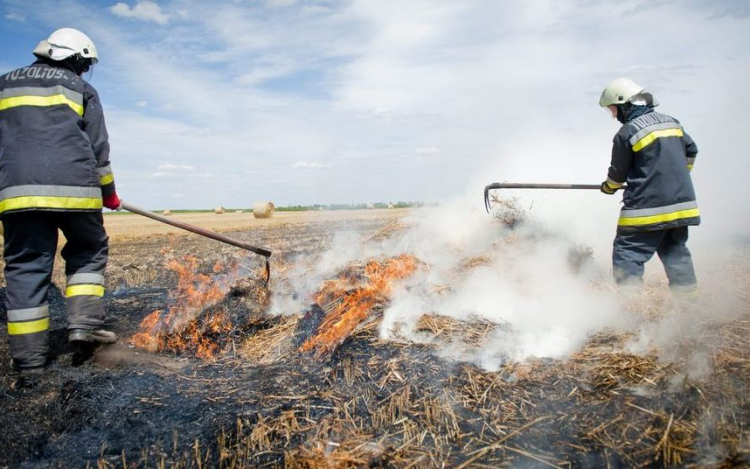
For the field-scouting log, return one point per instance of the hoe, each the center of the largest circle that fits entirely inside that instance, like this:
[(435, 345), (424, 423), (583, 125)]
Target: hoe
[(203, 232)]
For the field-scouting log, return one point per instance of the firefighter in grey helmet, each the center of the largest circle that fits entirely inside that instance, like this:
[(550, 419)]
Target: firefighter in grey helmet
[(652, 157), (55, 174)]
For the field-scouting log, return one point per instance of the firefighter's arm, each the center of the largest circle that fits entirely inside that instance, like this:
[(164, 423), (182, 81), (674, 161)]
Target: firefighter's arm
[(691, 150), (96, 129), (622, 157)]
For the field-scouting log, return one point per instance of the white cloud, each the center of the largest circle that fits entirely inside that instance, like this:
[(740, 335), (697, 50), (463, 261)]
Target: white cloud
[(14, 16), (308, 165), (263, 72), (175, 168), (141, 103), (143, 10), (280, 3), (177, 172), (426, 150), (180, 176)]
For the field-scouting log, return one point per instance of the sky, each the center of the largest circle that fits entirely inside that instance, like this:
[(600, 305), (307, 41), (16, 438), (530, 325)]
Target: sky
[(361, 101)]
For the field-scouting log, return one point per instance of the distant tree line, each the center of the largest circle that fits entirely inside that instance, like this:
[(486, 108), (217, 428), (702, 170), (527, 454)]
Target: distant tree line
[(361, 206), (302, 208)]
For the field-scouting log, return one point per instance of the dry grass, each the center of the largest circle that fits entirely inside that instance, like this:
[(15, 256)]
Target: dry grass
[(507, 209), (272, 344)]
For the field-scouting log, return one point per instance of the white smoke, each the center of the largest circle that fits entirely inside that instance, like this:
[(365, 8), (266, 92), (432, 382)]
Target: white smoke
[(689, 331), (525, 284)]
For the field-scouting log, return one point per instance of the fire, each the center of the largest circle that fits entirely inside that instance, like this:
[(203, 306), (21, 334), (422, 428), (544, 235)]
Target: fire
[(353, 297), (179, 328)]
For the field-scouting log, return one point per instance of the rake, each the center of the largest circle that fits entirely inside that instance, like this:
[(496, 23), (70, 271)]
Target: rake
[(203, 232)]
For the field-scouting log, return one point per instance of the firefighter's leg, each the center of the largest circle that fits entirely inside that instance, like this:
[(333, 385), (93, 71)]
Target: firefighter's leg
[(677, 261), (85, 254), (30, 245), (630, 252)]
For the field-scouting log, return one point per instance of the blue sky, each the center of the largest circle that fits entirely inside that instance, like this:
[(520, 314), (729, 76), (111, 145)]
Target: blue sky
[(303, 102)]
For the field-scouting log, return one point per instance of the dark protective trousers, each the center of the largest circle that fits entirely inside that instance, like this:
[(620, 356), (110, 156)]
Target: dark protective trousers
[(30, 245), (632, 250)]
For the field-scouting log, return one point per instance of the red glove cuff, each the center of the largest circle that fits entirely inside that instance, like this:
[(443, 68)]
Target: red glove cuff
[(112, 202)]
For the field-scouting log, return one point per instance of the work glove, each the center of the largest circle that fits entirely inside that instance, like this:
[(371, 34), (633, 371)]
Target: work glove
[(607, 189), (112, 202)]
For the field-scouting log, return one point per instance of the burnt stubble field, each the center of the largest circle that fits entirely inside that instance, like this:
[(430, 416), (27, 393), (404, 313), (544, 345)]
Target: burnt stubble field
[(205, 376)]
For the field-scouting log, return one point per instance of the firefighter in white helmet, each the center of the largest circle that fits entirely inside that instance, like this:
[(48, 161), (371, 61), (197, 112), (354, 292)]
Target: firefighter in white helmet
[(54, 174), (652, 157)]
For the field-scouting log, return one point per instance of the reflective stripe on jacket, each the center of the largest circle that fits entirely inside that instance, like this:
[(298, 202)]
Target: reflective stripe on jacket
[(54, 147), (654, 155)]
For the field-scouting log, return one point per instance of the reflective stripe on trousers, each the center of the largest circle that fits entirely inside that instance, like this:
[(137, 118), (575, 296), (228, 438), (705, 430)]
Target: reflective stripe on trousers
[(28, 334), (84, 300), (28, 321)]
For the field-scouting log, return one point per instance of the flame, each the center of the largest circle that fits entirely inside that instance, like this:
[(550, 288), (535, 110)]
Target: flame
[(179, 328), (354, 296)]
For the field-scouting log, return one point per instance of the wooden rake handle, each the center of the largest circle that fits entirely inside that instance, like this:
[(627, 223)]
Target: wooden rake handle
[(203, 232)]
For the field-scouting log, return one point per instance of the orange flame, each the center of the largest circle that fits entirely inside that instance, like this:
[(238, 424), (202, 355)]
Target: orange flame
[(355, 298), (179, 328)]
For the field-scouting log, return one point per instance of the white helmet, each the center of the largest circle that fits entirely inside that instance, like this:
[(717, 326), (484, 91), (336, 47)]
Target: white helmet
[(623, 90), (66, 42)]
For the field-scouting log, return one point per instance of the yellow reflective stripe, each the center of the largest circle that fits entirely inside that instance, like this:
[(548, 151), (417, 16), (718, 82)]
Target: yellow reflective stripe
[(645, 141), (80, 290), (53, 100), (690, 167), (662, 218), (30, 327), (38, 201), (107, 179)]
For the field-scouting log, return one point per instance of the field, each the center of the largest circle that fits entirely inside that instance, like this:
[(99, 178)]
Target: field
[(214, 369)]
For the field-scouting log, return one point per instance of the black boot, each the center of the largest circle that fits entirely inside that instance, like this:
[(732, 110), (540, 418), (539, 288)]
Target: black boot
[(92, 336)]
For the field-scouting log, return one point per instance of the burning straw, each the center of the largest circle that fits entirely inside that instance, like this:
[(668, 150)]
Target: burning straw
[(189, 324), (349, 298)]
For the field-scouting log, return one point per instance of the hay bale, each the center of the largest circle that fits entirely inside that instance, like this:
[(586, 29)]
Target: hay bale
[(263, 209), (370, 207), (219, 210), (238, 211), (391, 206), (166, 213)]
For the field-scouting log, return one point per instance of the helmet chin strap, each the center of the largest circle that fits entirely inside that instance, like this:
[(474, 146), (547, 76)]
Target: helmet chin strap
[(622, 112), (81, 64)]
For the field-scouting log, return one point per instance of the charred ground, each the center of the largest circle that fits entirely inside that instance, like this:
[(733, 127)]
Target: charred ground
[(369, 403)]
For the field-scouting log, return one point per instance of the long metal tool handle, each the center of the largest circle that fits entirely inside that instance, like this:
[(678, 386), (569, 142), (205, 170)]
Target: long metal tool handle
[(516, 185), (196, 230), (203, 232)]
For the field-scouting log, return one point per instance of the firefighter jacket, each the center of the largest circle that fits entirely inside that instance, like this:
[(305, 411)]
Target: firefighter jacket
[(654, 155), (54, 148)]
